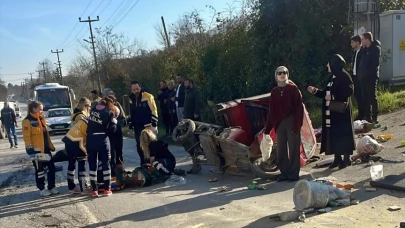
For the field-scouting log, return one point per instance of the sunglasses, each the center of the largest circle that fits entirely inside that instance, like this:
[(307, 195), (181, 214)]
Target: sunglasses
[(282, 72)]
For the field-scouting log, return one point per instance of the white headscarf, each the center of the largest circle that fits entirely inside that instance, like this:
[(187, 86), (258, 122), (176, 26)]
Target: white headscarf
[(281, 69)]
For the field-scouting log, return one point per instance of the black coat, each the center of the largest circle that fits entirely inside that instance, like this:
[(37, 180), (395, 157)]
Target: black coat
[(339, 138), (370, 62)]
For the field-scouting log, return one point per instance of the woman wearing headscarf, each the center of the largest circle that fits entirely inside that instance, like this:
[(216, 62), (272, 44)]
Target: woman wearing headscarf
[(337, 125), (116, 139), (286, 113)]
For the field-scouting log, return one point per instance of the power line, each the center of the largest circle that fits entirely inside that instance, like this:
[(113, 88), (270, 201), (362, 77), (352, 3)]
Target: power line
[(122, 2), (76, 24), (105, 7), (126, 14), (101, 2), (15, 74), (121, 11)]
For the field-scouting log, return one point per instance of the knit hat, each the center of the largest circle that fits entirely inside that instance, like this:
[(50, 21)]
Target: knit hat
[(281, 69)]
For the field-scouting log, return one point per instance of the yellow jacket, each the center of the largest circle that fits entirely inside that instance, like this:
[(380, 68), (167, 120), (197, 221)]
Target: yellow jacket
[(33, 133), (78, 133), (75, 117)]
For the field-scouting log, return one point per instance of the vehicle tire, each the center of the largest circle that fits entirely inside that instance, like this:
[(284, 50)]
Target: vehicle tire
[(260, 171), (184, 124)]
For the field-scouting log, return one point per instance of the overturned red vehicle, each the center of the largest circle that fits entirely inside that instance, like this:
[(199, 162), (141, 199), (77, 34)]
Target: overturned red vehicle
[(233, 143)]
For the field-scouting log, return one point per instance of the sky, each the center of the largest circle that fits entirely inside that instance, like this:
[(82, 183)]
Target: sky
[(30, 29)]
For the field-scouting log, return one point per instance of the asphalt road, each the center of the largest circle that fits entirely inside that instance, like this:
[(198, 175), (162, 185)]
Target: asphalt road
[(195, 204)]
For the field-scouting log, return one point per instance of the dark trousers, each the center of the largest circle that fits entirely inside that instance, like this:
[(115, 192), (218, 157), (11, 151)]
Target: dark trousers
[(173, 121), (369, 91), (165, 165), (359, 96), (74, 153), (10, 129), (40, 174), (98, 148), (116, 143), (167, 122), (137, 131), (288, 149)]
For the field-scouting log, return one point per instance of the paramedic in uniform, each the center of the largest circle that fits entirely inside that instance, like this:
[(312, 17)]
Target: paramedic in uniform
[(37, 140), (143, 114), (75, 144), (101, 123)]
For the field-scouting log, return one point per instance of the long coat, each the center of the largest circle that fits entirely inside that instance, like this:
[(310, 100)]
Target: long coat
[(339, 137)]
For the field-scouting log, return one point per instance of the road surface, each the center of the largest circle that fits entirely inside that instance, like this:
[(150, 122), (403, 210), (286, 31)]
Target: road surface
[(195, 204)]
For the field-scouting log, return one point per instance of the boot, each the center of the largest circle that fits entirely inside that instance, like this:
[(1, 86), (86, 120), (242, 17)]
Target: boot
[(336, 162), (346, 162)]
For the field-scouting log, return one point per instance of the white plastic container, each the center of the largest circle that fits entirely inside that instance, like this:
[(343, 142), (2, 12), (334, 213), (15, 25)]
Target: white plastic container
[(376, 172)]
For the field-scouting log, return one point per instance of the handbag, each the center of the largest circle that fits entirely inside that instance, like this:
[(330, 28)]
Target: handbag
[(337, 106)]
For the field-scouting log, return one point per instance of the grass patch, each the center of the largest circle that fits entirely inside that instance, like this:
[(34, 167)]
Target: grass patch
[(389, 100)]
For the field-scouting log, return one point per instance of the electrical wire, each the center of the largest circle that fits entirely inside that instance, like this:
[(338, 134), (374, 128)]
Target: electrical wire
[(75, 24), (125, 14), (120, 12), (122, 2)]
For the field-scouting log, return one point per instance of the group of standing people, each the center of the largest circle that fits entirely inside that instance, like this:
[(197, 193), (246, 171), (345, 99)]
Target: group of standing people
[(286, 107), (178, 102)]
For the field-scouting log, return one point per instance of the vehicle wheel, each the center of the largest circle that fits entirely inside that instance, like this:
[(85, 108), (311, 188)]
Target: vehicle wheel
[(265, 170), (186, 128)]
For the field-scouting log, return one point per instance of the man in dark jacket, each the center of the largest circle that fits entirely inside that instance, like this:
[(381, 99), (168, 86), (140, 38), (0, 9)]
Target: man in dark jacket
[(95, 96), (355, 42), (163, 97), (172, 105), (9, 122), (369, 75), (192, 102), (143, 114), (180, 96)]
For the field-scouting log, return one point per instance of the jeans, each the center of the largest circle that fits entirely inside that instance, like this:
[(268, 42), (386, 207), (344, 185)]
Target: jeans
[(179, 111), (138, 130), (10, 129)]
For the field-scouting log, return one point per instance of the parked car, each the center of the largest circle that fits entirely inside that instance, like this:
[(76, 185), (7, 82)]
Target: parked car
[(58, 120), (233, 143)]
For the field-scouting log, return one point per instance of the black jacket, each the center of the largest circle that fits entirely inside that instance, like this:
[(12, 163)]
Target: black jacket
[(182, 95), (370, 61), (8, 116), (165, 95), (192, 103), (142, 110), (359, 55)]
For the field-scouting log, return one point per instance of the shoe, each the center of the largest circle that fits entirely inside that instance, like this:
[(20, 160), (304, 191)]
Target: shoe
[(334, 165), (45, 192), (54, 191), (281, 179), (11, 147), (16, 146), (293, 179), (107, 192), (74, 191), (345, 164), (94, 193)]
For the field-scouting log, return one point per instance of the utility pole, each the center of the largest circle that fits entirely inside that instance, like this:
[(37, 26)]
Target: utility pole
[(164, 27), (94, 50), (60, 68), (31, 76), (43, 68)]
